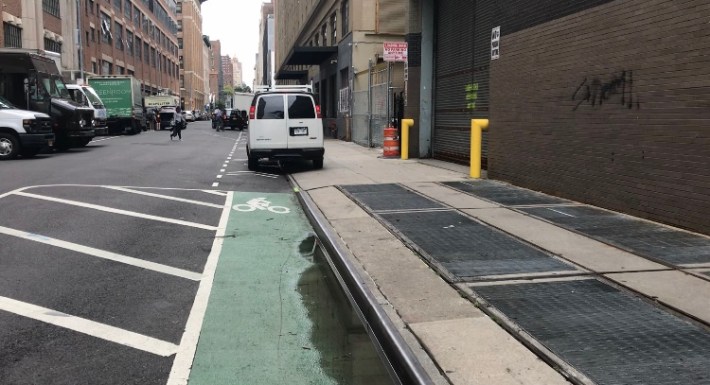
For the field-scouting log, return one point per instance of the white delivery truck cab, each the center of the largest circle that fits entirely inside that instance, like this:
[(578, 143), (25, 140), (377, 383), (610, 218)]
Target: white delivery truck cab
[(87, 97)]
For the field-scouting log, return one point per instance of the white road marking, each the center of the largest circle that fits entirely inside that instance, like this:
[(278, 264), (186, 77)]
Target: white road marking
[(94, 329), (188, 344), (166, 197), (213, 192), (219, 176), (215, 184), (102, 254), (222, 170), (560, 212), (118, 211)]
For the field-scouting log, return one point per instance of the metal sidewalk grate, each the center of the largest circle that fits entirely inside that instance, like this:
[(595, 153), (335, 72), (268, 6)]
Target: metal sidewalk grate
[(468, 249), (610, 336), (675, 247), (379, 197), (505, 194)]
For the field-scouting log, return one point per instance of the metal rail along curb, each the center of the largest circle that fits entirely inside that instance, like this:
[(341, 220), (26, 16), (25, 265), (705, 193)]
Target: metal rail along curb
[(401, 362)]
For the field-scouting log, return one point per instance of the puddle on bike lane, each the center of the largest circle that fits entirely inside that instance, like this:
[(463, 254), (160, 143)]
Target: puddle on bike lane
[(275, 315)]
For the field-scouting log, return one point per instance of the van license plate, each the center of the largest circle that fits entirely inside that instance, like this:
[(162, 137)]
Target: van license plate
[(299, 131)]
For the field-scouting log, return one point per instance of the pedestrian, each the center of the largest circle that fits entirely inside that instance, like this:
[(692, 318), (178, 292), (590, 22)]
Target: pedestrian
[(220, 122), (180, 123), (150, 118), (157, 119)]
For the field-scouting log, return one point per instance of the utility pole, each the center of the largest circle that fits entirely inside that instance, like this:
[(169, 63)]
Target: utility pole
[(80, 49)]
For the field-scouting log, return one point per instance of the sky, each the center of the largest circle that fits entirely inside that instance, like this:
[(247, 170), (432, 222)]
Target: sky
[(235, 23)]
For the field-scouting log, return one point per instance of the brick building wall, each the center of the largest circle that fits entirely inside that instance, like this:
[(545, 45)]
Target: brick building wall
[(609, 106)]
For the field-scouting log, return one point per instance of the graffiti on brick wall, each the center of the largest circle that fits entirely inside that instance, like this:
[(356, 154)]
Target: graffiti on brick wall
[(471, 96), (618, 89)]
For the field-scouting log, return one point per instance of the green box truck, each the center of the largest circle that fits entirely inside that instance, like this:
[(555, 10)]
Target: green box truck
[(123, 100)]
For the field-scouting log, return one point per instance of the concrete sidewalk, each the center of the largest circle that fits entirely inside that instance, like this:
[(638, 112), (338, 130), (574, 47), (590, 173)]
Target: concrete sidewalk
[(444, 322)]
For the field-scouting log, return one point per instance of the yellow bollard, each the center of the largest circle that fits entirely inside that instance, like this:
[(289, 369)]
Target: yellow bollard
[(477, 127), (406, 124)]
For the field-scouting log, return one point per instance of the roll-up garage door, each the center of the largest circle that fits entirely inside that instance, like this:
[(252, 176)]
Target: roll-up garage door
[(463, 49), (461, 84)]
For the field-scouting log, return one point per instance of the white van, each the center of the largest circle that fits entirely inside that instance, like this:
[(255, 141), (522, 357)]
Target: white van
[(87, 97), (285, 123)]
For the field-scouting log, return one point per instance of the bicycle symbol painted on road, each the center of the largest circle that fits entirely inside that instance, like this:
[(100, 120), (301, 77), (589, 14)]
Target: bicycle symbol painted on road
[(260, 204)]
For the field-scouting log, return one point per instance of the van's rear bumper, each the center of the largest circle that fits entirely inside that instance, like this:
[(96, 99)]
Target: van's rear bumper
[(284, 153)]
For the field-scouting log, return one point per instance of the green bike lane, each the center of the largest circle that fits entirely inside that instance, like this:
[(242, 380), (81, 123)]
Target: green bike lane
[(271, 316)]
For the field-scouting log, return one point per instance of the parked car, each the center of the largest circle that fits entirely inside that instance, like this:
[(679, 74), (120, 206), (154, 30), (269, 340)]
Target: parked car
[(237, 120), (189, 116), (285, 123), (23, 132)]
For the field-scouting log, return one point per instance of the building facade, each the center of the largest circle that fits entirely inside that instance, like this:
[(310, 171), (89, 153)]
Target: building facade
[(337, 45), (47, 25), (227, 72), (216, 75), (191, 58), (132, 37), (237, 77), (263, 67), (206, 69)]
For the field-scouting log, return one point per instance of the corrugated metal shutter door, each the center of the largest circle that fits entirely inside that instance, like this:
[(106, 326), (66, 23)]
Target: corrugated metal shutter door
[(462, 61)]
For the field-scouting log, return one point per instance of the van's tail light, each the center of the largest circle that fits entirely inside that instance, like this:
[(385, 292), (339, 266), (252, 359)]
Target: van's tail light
[(252, 112), (318, 114)]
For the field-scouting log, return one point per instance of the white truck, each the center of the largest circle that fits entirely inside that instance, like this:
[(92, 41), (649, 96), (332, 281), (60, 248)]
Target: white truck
[(242, 101), (86, 96), (23, 132)]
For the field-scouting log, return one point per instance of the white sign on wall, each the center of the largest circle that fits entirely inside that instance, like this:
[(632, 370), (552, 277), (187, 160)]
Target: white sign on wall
[(395, 51), (495, 43)]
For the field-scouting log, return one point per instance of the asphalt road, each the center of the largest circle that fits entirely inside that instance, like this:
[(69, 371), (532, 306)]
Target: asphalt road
[(102, 250)]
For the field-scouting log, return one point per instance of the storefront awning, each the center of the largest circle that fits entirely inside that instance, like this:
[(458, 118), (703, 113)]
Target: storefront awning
[(310, 55)]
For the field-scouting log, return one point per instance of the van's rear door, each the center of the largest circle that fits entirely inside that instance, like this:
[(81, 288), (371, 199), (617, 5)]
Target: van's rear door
[(305, 130), (268, 131)]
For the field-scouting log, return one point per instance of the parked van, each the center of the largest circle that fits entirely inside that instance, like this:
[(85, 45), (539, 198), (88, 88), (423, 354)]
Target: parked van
[(23, 132), (285, 123), (86, 96)]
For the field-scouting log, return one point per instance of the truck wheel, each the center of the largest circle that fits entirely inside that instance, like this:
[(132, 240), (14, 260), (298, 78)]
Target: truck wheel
[(318, 163), (252, 163), (9, 146)]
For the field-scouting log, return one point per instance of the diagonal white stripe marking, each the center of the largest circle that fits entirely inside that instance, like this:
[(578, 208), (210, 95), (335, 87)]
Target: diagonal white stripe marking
[(118, 211), (213, 192), (94, 329), (188, 344), (167, 197), (560, 212), (102, 254)]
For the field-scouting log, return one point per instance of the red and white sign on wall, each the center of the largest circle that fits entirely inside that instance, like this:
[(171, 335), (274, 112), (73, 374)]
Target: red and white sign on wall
[(395, 51)]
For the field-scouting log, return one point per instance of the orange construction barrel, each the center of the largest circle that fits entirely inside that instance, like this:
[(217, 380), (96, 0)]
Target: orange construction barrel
[(390, 145)]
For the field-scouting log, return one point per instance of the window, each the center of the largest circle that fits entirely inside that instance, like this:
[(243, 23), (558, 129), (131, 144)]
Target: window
[(334, 29), (317, 40), (300, 107), (137, 18), (345, 18), (93, 34), (13, 35), (129, 42), (51, 7), (324, 33), (180, 42), (117, 4), (152, 56), (120, 70), (119, 35), (146, 53), (106, 36), (139, 47), (179, 25), (128, 9), (131, 73), (106, 68), (270, 107), (94, 67), (88, 40), (51, 45)]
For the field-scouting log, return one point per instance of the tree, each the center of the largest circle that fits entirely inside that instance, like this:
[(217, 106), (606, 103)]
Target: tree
[(242, 88), (228, 90)]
